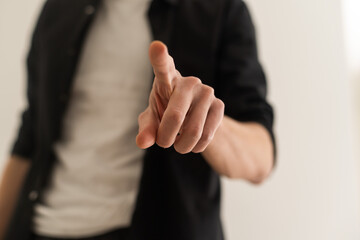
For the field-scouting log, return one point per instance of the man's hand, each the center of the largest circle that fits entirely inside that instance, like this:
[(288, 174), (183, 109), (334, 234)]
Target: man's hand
[(182, 111)]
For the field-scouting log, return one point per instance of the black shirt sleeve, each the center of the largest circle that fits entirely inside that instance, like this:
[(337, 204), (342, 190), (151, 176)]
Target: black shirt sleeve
[(241, 80), (24, 144)]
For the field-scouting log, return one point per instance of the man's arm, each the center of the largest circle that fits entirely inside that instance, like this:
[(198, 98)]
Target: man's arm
[(241, 150), (12, 180)]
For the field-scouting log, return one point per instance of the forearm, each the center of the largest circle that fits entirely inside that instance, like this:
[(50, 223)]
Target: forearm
[(241, 150), (10, 185)]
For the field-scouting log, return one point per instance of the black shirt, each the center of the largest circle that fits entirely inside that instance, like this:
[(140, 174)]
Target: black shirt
[(179, 195)]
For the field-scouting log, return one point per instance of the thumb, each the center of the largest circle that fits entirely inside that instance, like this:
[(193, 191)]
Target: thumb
[(148, 125)]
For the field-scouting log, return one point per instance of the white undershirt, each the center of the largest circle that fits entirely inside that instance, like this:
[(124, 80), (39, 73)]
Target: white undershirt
[(96, 178)]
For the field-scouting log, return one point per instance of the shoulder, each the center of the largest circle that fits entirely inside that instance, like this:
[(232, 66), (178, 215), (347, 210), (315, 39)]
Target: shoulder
[(215, 9)]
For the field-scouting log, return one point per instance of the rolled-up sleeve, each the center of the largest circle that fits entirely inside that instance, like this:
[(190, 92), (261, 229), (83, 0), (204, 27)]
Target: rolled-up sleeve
[(25, 141), (241, 80)]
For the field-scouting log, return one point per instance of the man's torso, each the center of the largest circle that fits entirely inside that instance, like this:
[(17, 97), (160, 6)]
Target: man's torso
[(94, 183)]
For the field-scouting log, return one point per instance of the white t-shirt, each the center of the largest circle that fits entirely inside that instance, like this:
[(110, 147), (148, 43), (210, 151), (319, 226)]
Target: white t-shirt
[(95, 181)]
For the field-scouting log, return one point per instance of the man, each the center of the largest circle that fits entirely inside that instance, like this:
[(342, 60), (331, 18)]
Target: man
[(75, 167)]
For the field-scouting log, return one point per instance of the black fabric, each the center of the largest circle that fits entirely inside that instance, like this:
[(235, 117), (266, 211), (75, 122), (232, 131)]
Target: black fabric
[(118, 234), (179, 195)]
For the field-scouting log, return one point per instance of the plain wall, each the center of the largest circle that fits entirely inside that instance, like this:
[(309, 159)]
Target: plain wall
[(351, 17), (313, 193)]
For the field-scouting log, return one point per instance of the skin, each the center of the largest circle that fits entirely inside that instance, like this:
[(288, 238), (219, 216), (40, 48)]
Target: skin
[(10, 185), (183, 113)]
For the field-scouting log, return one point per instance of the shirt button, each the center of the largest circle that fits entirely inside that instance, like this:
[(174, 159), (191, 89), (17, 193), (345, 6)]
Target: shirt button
[(89, 10), (33, 195)]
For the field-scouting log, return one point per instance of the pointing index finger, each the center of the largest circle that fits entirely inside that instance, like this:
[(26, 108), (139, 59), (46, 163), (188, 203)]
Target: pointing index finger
[(162, 63)]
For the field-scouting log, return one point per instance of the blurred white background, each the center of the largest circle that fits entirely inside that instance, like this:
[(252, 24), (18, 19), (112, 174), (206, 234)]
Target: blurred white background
[(311, 52)]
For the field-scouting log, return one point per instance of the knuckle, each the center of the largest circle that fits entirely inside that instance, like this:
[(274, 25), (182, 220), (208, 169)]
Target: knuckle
[(195, 132), (196, 80), (160, 72), (206, 137), (141, 116), (171, 60), (219, 104), (189, 83), (171, 65), (175, 116), (207, 91), (193, 81), (178, 74)]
